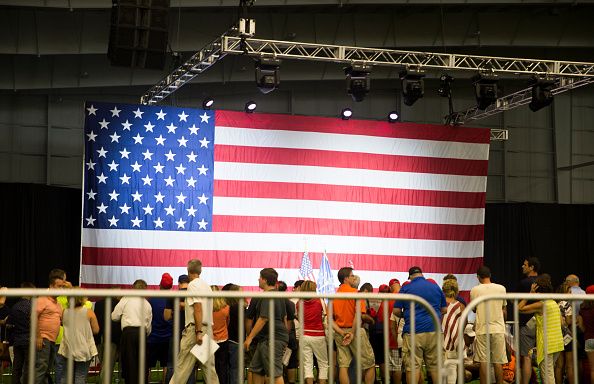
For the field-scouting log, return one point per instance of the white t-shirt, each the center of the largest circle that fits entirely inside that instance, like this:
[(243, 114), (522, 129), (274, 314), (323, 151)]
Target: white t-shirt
[(496, 320), (198, 287)]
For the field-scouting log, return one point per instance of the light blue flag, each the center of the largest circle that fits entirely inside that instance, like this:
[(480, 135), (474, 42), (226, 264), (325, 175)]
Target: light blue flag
[(325, 277)]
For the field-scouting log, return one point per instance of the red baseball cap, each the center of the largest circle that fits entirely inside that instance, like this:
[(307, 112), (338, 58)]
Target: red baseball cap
[(394, 281), (590, 289)]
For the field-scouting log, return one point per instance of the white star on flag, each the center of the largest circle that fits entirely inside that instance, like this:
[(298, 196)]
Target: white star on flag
[(158, 168), (102, 208), (102, 152), (104, 124), (138, 113), (180, 223), (115, 138), (202, 170), (158, 223), (115, 112), (91, 195), (193, 129), (146, 180), (137, 196), (126, 125), (125, 209), (92, 110), (204, 118), (171, 128), (90, 220), (113, 166), (101, 178), (125, 179), (113, 195), (113, 222), (149, 127), (161, 115), (203, 199), (183, 116), (203, 143), (91, 165), (169, 210), (202, 224), (148, 210), (124, 153), (136, 222), (92, 136), (159, 197)]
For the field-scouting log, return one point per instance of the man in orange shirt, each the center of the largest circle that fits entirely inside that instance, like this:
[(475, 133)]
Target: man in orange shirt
[(344, 317), (49, 318)]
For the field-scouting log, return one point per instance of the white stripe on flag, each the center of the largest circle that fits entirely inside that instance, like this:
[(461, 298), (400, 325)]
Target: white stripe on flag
[(350, 143), (245, 276), (240, 206), (106, 238), (347, 176)]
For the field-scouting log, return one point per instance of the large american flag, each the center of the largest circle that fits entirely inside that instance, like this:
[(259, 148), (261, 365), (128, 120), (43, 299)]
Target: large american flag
[(243, 192)]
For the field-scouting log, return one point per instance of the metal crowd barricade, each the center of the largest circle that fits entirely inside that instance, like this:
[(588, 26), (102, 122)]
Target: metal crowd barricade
[(108, 294), (515, 298)]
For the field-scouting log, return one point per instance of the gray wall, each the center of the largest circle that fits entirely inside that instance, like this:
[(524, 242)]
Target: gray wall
[(41, 130)]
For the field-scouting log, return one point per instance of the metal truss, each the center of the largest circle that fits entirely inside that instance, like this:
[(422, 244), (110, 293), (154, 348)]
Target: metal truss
[(388, 57), (498, 134), (515, 100), (230, 43), (198, 63)]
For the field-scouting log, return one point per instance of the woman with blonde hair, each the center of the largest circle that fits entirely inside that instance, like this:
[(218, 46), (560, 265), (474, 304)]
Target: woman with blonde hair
[(80, 324), (220, 317)]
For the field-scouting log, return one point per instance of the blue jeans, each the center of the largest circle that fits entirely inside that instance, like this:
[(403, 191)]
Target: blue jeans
[(81, 370), (44, 361)]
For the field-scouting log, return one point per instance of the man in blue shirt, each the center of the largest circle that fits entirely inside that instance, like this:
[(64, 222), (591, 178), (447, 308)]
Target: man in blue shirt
[(425, 333)]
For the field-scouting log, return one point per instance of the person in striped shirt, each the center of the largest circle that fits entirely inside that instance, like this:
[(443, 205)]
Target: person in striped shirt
[(549, 345), (449, 325)]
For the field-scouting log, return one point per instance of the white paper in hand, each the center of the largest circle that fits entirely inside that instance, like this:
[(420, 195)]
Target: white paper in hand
[(204, 351)]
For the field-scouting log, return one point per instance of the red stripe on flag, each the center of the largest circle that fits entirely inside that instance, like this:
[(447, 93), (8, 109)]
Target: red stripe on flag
[(286, 260), (373, 195), (314, 157), (155, 287), (354, 127), (256, 224)]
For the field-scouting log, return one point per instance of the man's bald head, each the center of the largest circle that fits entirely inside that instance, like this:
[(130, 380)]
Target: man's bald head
[(572, 281)]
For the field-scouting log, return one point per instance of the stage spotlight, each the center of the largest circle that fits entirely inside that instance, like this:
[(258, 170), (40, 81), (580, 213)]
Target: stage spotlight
[(250, 106), (267, 74), (358, 82), (413, 86), (207, 103), (392, 116), (445, 85), (485, 90), (346, 113), (541, 94)]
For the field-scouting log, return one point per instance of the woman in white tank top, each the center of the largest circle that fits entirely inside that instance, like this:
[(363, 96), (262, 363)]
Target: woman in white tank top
[(79, 324)]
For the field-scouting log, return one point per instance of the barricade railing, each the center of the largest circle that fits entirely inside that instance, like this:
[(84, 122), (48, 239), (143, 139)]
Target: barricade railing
[(177, 296), (515, 299)]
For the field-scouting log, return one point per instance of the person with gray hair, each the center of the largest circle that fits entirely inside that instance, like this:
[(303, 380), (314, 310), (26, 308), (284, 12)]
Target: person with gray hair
[(198, 311)]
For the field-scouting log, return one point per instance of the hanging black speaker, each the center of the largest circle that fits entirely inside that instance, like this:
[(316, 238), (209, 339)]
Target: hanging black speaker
[(139, 33)]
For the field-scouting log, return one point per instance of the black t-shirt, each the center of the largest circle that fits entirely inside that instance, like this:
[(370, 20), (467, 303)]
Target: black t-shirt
[(233, 326), (290, 308), (116, 328), (260, 308), (524, 287)]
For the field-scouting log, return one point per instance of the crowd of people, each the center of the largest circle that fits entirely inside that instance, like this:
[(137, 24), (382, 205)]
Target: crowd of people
[(73, 328)]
